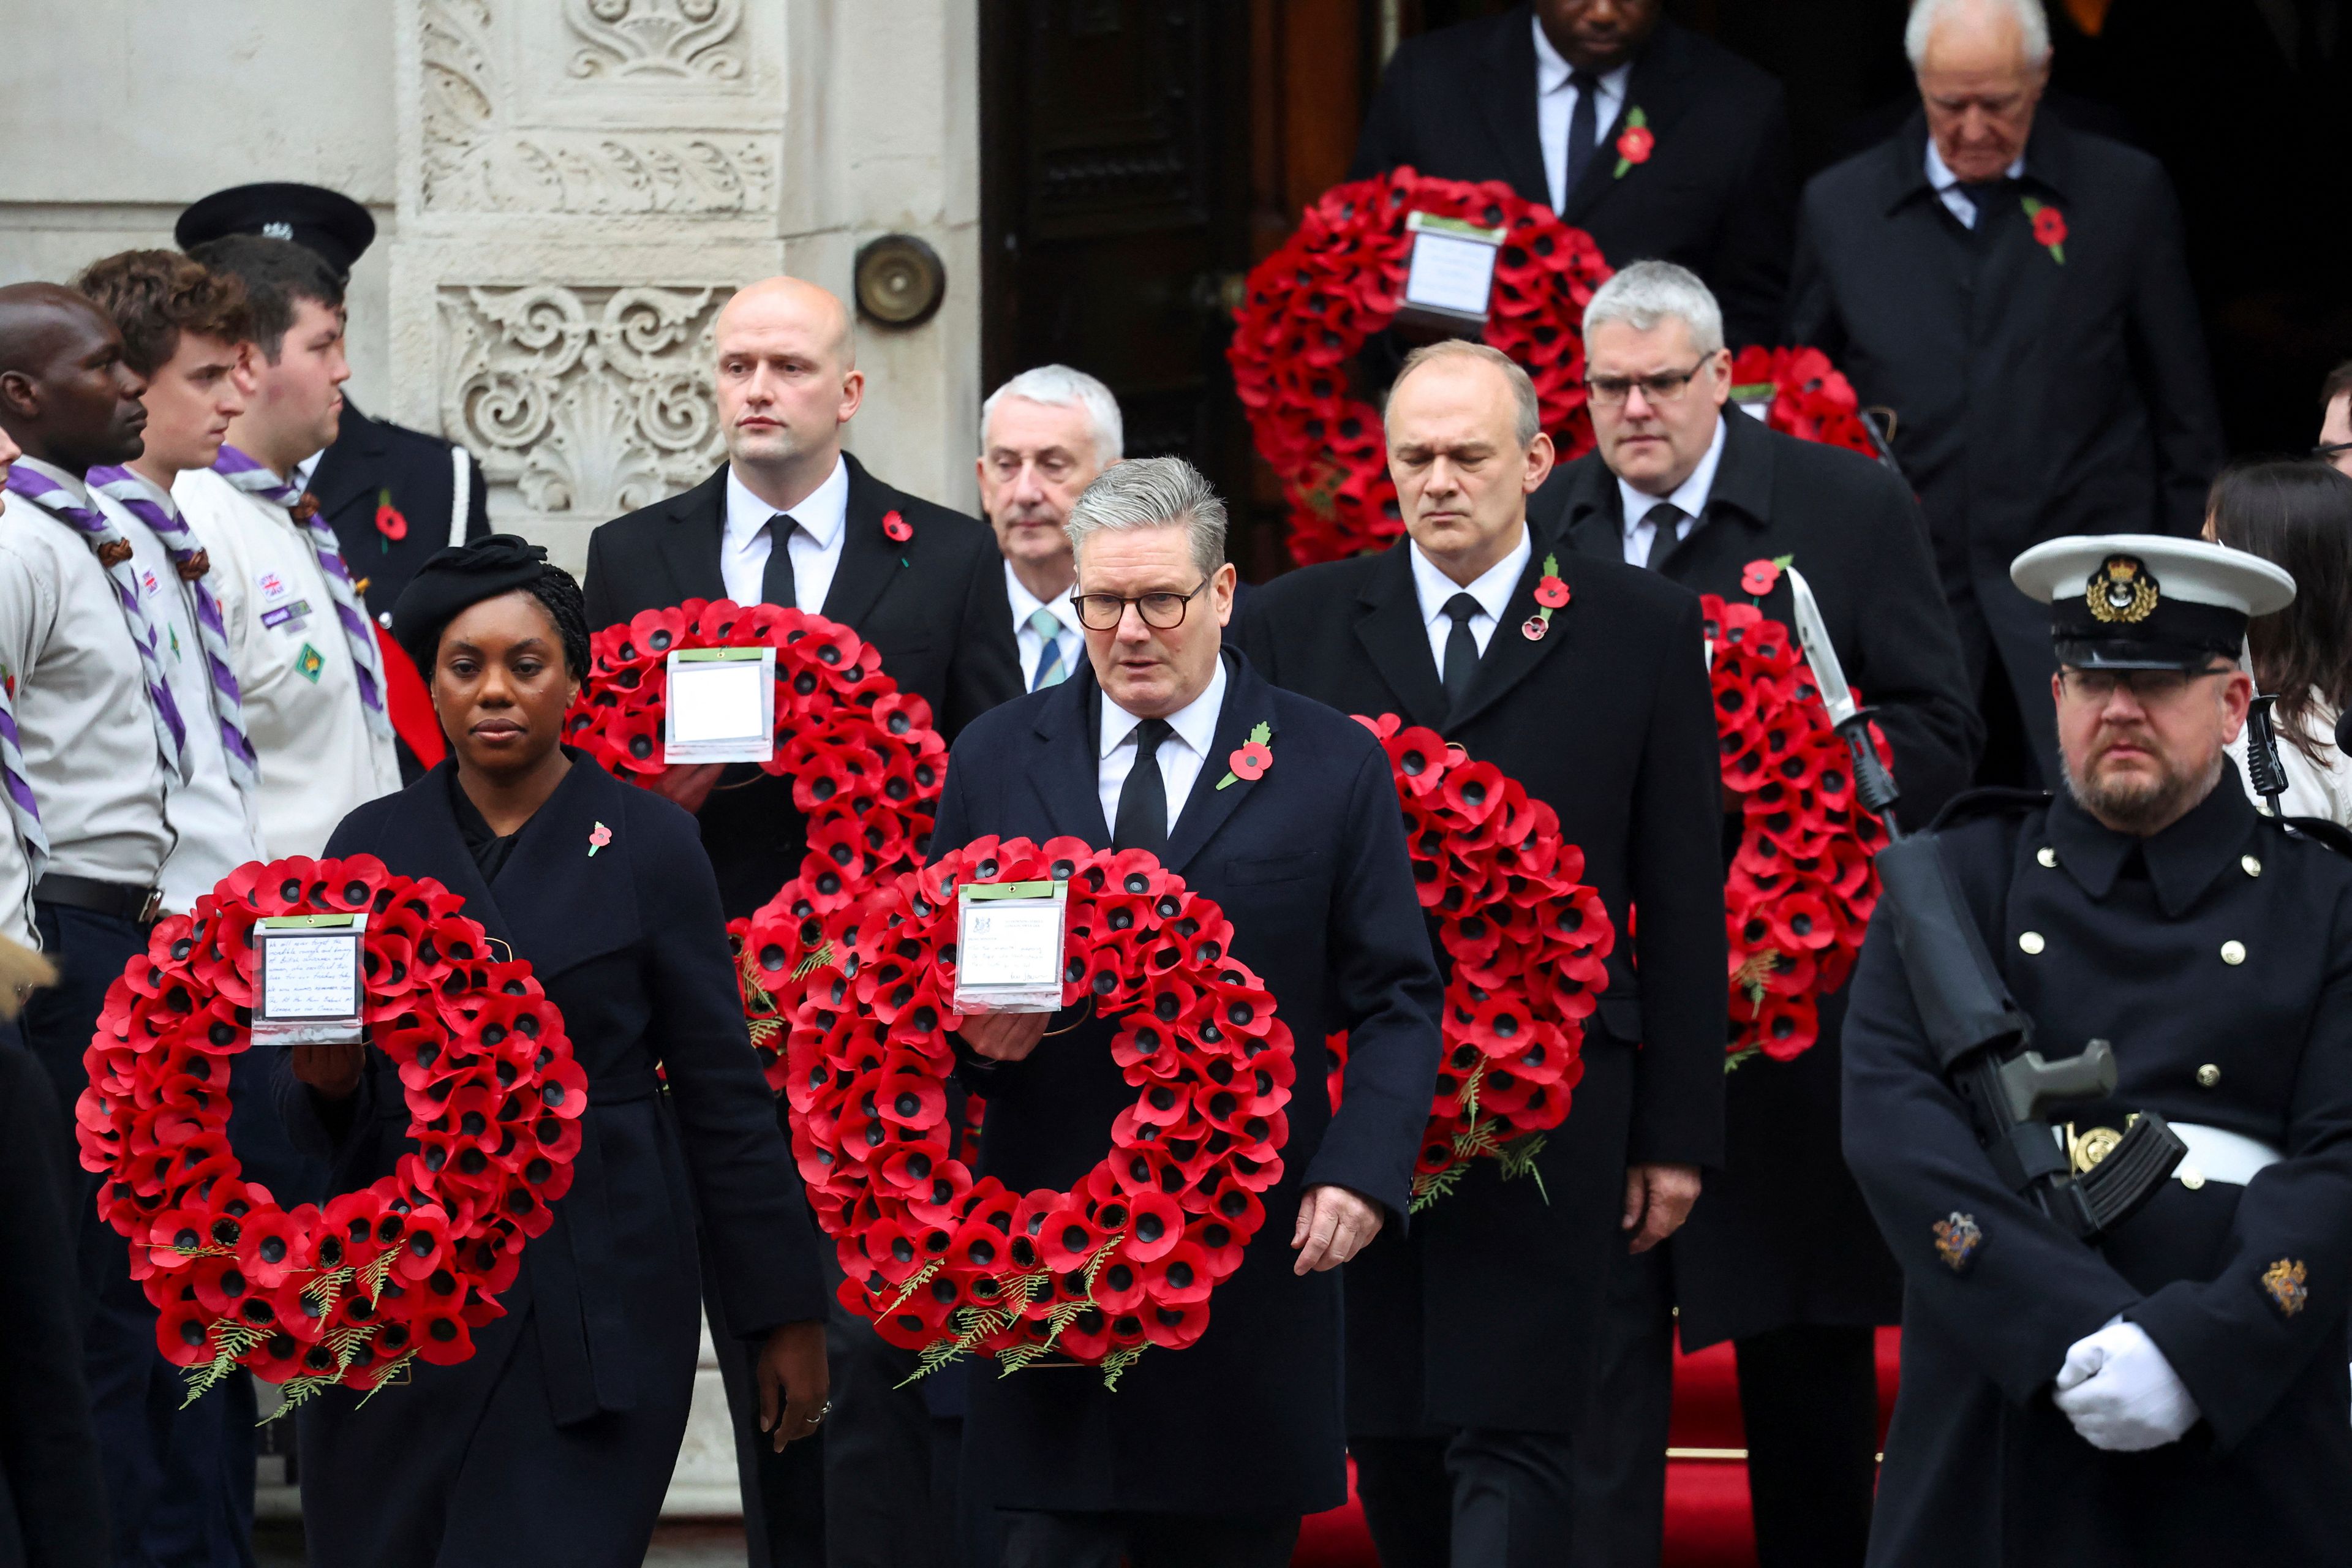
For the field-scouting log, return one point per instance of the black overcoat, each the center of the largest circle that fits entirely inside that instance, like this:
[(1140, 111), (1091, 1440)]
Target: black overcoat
[(1717, 194), (1309, 863), (373, 459), (2034, 397), (579, 1394), (1487, 1313), (2132, 935), (1780, 1234), (934, 605)]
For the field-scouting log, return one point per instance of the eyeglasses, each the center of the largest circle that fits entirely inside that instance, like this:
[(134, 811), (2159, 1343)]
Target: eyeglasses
[(1609, 391), (1162, 611), (2146, 685), (2328, 451)]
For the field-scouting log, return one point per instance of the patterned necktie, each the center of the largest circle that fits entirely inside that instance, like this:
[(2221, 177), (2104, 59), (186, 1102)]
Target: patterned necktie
[(22, 806), (113, 553), (359, 635), (165, 520), (1050, 670)]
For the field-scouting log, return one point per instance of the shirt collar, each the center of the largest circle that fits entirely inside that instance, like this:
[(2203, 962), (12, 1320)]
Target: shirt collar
[(77, 491), (1492, 589), (822, 513), (1553, 70), (1195, 723), (1690, 495), (1940, 178), (2182, 860), (1026, 604)]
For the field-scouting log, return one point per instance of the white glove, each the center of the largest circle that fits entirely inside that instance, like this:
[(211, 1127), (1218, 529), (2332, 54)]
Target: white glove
[(2121, 1393)]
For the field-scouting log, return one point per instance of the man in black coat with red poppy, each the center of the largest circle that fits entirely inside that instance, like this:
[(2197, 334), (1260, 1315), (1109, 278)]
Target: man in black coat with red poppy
[(2016, 291), (1780, 1256), (791, 518), (1655, 141), (1473, 1343)]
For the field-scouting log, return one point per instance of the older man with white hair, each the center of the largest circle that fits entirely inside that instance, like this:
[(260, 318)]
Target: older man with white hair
[(1043, 437), (2016, 291)]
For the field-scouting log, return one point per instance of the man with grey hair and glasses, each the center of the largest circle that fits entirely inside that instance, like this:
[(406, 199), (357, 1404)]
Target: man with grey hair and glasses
[(2017, 292), (1043, 437), (1207, 1455), (1780, 1256)]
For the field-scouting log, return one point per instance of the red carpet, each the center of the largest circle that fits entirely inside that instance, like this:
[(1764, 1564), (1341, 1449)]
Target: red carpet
[(1707, 1477)]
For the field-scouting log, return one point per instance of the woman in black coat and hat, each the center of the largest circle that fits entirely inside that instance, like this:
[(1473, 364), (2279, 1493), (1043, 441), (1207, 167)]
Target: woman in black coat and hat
[(554, 1443)]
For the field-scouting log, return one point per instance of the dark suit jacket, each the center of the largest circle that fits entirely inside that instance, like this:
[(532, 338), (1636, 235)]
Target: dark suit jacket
[(2034, 399), (935, 607), (1716, 194), (371, 457), (1780, 1234), (1308, 862), (1483, 1315)]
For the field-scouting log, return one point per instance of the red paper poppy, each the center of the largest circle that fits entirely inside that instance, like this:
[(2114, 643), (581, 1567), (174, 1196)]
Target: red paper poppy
[(1635, 143), (1553, 593), (897, 526), (1759, 576), (1250, 762), (2049, 226), (388, 520)]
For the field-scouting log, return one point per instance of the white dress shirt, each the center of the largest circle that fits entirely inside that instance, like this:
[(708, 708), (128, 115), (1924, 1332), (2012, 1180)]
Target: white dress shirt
[(1690, 495), (218, 828), (1946, 184), (1492, 590), (1180, 756), (820, 523), (321, 760), (1026, 605), (1556, 104), (88, 739)]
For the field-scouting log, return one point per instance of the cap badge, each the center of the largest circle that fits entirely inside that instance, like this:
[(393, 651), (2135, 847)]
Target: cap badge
[(275, 230), (2122, 590)]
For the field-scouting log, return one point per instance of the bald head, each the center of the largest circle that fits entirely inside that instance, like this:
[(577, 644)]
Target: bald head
[(787, 382), (66, 396)]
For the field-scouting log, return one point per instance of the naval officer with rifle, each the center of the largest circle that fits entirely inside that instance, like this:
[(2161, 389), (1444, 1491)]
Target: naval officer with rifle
[(2099, 1098)]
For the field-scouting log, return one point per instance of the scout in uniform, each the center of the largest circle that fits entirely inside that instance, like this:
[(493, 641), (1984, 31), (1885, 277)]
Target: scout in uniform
[(2168, 1386)]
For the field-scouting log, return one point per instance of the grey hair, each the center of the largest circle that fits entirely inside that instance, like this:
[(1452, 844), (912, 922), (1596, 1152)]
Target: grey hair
[(1648, 292), (1153, 492), (1060, 386), (2033, 27), (1529, 423)]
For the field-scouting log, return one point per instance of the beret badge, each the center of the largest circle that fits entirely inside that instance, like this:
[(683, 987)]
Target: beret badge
[(2122, 591)]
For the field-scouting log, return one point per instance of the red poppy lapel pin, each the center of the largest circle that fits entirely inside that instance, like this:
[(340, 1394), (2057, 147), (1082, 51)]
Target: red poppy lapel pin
[(389, 524), (1250, 762), (896, 528), (2049, 228), (1757, 577), (597, 839), (1635, 142), (1551, 594)]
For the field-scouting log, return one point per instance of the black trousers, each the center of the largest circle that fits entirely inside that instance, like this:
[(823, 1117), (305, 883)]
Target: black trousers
[(1621, 1449), (1477, 1498), (1038, 1539), (1808, 1400)]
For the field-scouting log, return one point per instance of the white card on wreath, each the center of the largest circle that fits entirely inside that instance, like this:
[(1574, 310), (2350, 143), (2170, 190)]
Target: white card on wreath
[(1009, 946), (1452, 272), (720, 705), (308, 980)]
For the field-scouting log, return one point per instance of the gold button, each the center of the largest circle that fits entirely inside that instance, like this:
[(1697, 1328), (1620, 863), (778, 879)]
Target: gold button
[(2233, 953), (2046, 855), (2191, 1177), (2254, 866), (2208, 1075), (2030, 942)]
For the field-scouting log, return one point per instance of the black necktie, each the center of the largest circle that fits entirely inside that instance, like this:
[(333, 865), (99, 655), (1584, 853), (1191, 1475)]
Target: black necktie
[(1986, 197), (1143, 799), (776, 582), (1460, 648), (1665, 518), (1583, 129)]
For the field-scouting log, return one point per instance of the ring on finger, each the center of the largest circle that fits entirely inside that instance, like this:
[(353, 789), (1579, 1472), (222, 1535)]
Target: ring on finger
[(823, 1411)]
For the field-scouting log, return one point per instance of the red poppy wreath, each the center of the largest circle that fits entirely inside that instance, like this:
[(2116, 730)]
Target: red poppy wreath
[(404, 1268), (1127, 1257), (864, 762), (1340, 279), (1800, 891), (1526, 938), (1809, 398)]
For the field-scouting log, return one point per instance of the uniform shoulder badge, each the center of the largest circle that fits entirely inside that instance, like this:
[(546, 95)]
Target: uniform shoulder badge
[(2282, 1282), (2122, 590), (1958, 1241)]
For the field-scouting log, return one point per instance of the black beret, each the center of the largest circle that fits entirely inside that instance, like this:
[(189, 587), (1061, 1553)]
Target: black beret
[(327, 223), (455, 580)]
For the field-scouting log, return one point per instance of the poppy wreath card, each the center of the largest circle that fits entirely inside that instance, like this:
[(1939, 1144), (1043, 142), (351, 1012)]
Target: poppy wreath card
[(1805, 396), (402, 1270), (952, 1265), (1800, 893), (1524, 939), (865, 761), (1312, 305)]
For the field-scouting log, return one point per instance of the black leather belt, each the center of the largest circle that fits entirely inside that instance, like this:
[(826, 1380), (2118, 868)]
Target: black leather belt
[(124, 902)]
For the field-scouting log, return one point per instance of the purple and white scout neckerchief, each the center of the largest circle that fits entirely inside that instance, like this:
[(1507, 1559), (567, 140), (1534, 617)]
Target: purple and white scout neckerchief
[(359, 633), (22, 806), (137, 498), (113, 553)]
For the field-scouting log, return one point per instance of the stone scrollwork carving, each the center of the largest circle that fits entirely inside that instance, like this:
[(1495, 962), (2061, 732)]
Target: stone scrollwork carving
[(589, 402), (676, 40)]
